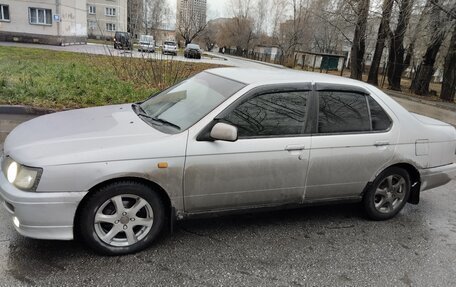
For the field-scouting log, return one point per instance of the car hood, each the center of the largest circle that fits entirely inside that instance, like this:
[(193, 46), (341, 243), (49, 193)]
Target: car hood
[(89, 135)]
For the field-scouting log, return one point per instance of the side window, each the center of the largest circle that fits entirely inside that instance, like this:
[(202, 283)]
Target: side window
[(273, 114), (342, 112), (380, 120)]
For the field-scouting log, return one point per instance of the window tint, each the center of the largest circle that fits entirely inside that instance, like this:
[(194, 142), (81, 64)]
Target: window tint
[(380, 120), (274, 114), (342, 112)]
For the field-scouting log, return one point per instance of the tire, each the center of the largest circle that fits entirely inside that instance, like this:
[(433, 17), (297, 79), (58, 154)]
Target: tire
[(388, 194), (124, 231)]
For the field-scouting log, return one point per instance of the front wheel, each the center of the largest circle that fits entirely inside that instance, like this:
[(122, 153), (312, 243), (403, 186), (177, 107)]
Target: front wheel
[(388, 194), (121, 218)]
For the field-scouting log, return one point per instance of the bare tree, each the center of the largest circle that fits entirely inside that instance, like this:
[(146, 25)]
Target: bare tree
[(155, 14), (239, 31), (396, 63), (145, 16), (261, 23), (135, 16), (359, 40), (439, 26), (383, 31), (294, 32), (277, 16), (449, 71), (190, 24), (209, 35)]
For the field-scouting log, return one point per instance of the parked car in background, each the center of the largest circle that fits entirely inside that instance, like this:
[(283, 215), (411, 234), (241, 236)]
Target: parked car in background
[(193, 51), (232, 139), (122, 40), (146, 44), (169, 47)]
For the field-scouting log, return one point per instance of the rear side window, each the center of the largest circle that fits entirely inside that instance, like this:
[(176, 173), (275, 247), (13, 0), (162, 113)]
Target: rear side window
[(342, 112), (380, 120), (272, 114)]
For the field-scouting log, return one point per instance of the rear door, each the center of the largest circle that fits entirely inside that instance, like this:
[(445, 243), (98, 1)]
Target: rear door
[(354, 139), (267, 165)]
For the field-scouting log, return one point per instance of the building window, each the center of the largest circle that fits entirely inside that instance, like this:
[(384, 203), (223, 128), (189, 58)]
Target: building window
[(92, 25), (110, 11), (40, 16), (4, 13), (92, 9), (111, 27)]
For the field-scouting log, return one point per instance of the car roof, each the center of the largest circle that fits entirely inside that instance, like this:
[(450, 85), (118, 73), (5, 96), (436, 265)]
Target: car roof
[(260, 76)]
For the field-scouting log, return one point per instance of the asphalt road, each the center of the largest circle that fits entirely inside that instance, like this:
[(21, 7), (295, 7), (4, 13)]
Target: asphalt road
[(311, 246)]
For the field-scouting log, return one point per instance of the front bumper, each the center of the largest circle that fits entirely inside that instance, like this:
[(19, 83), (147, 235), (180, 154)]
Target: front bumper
[(40, 215), (437, 176)]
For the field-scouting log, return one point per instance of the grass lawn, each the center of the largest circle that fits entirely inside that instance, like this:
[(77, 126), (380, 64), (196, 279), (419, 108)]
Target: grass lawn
[(64, 80)]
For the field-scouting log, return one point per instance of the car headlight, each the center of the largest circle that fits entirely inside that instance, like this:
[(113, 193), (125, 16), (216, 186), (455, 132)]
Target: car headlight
[(23, 177)]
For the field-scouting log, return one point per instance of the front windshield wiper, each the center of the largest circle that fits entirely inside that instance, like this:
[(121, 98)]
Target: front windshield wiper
[(142, 113), (162, 121)]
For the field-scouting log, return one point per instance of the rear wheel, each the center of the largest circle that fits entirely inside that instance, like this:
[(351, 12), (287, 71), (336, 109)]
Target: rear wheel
[(388, 194), (121, 218)]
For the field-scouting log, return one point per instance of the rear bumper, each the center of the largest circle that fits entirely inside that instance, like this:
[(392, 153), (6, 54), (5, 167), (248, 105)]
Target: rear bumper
[(437, 176), (40, 215), (170, 51)]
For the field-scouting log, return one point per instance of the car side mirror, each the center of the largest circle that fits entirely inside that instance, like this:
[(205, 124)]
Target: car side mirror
[(224, 132)]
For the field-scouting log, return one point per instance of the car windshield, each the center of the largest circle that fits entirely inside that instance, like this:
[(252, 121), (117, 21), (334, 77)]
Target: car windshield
[(193, 46), (146, 39), (170, 43), (179, 107)]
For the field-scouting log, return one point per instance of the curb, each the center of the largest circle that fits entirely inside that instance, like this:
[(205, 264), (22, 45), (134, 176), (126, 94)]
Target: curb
[(210, 54), (258, 62), (24, 110)]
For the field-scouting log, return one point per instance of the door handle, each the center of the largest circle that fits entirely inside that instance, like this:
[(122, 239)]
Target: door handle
[(294, 147), (381, 143)]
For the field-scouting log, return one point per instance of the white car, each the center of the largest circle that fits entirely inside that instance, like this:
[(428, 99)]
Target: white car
[(146, 44), (169, 47), (224, 140)]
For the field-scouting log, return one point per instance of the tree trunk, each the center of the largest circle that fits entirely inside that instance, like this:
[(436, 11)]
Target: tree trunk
[(382, 35), (423, 76), (449, 71), (359, 41), (396, 52)]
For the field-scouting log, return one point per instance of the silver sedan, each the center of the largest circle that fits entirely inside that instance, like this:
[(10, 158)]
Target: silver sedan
[(224, 140)]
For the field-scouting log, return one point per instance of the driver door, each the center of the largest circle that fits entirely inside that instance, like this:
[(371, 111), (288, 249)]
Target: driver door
[(268, 163)]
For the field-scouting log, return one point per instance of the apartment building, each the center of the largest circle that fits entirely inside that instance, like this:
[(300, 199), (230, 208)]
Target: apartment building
[(55, 22), (191, 14), (105, 17)]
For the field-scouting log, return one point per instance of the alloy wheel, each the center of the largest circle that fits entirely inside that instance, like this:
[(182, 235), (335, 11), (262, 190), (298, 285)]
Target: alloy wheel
[(390, 193), (123, 220)]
